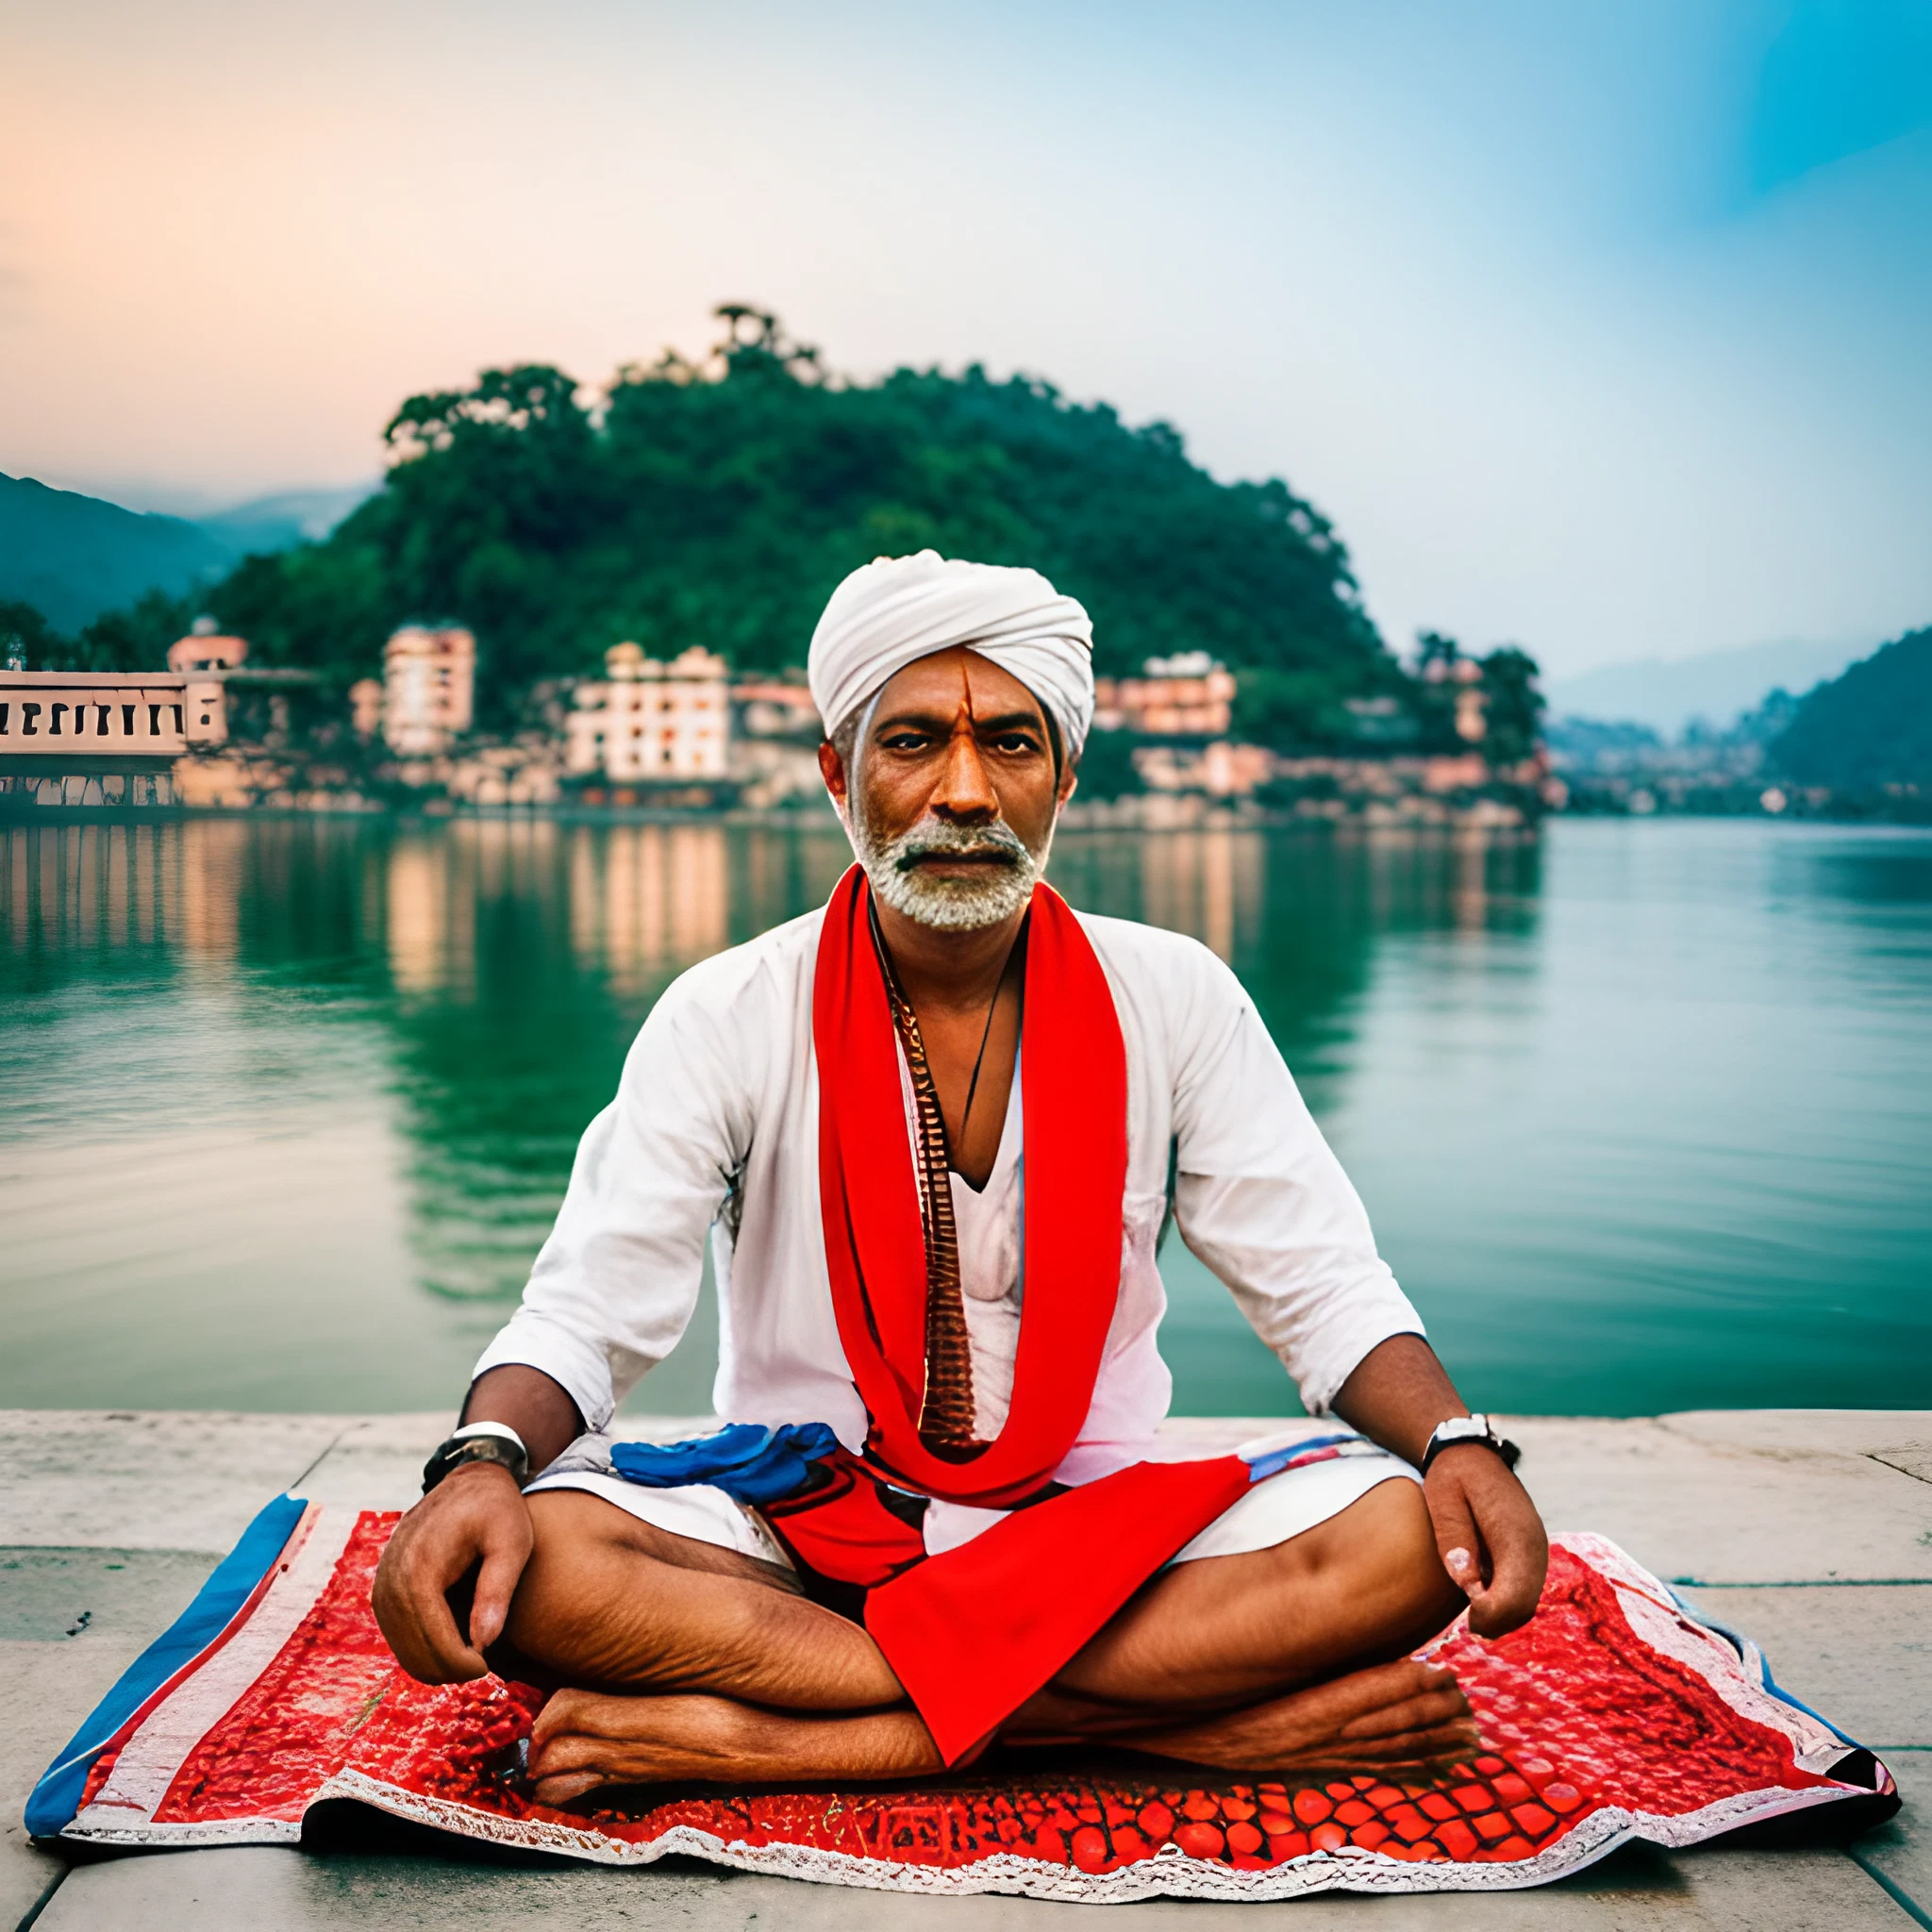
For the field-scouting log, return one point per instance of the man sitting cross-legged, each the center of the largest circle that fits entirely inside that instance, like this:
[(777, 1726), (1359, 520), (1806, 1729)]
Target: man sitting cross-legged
[(935, 1131)]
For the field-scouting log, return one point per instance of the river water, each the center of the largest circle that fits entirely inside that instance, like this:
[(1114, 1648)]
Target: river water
[(1642, 1110)]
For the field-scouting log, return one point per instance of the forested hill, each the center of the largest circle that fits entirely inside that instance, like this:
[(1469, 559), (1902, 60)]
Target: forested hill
[(718, 504), (1867, 734)]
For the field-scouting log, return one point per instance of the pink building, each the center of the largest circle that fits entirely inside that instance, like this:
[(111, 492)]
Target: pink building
[(429, 688), (1188, 695)]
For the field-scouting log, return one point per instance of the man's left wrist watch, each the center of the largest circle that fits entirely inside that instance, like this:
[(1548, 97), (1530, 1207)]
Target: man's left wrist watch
[(1469, 1428), (479, 1443)]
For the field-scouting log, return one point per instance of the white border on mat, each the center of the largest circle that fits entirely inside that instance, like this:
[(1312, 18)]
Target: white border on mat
[(1662, 1622), (186, 1836), (1170, 1873), (153, 1756)]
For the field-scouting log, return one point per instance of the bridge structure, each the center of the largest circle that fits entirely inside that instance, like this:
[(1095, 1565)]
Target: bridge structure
[(104, 736)]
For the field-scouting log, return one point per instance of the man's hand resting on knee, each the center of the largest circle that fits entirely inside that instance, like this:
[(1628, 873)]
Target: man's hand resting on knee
[(475, 1517), (1487, 1532), (1490, 1535), (473, 1523)]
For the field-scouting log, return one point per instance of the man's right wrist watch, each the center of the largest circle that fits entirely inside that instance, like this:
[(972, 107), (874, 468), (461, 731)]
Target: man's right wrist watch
[(1469, 1428), (479, 1442)]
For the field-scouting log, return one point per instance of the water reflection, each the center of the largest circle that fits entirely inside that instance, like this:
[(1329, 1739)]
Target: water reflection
[(76, 893), (1883, 870), (467, 991), (635, 904), (291, 1102), (1299, 916)]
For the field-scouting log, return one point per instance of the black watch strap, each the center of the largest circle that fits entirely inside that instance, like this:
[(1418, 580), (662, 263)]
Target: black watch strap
[(1477, 1430), (458, 1450)]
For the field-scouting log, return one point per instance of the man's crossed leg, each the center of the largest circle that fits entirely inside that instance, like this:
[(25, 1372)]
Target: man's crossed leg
[(677, 1661)]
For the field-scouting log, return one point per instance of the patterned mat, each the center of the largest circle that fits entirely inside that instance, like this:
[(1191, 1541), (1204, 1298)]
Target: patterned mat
[(1616, 1713)]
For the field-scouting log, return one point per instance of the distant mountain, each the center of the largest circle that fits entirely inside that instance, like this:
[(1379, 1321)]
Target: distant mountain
[(73, 557), (294, 516), (1867, 735), (1715, 686)]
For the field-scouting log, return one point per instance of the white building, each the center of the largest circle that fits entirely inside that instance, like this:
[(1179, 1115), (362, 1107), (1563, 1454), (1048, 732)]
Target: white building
[(429, 688), (653, 721), (74, 718)]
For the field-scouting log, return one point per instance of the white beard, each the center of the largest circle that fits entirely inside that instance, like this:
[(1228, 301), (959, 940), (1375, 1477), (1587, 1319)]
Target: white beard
[(990, 893)]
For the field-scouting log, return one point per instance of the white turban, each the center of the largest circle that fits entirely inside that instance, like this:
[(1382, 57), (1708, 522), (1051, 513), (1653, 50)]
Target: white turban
[(898, 609)]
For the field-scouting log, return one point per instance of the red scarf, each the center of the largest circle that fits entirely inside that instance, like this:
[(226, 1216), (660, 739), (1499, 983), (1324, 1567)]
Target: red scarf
[(972, 1633), (1074, 1067)]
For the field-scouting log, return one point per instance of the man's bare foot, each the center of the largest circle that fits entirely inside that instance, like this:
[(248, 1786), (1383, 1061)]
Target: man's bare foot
[(1391, 1717), (1404, 1716), (584, 1739)]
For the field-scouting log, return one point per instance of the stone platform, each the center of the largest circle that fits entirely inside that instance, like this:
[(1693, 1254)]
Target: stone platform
[(1811, 1529)]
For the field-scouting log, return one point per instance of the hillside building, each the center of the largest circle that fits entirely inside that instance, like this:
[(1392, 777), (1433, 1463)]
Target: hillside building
[(1472, 720), (1188, 695), (365, 707), (429, 688), (775, 708), (1466, 674), (103, 736), (206, 649), (650, 722), (775, 742)]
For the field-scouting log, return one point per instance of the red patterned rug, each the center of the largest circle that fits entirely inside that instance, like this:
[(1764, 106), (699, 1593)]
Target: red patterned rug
[(1615, 1714)]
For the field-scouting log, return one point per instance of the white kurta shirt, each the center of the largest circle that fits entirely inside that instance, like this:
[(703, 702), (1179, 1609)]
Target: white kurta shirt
[(714, 1129)]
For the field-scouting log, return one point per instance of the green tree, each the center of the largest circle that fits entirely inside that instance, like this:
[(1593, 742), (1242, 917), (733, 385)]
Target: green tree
[(27, 635), (136, 638), (1432, 692), (1107, 766), (1512, 704), (717, 502), (1295, 710)]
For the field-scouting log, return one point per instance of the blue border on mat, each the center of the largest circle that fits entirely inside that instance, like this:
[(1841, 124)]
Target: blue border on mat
[(57, 1797)]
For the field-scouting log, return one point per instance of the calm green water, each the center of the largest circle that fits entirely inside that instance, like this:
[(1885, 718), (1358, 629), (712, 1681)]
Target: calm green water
[(1643, 1112)]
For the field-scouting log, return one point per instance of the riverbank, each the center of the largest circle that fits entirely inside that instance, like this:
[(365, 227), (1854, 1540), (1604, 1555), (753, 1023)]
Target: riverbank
[(1809, 1529), (1148, 811)]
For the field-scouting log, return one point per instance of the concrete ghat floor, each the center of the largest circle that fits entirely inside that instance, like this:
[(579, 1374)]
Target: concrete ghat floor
[(1810, 1530)]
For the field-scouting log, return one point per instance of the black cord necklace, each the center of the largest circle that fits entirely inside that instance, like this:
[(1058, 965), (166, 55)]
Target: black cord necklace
[(979, 1058), (1016, 951)]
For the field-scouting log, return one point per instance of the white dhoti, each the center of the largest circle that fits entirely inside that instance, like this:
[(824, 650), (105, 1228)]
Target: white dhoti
[(1276, 1508)]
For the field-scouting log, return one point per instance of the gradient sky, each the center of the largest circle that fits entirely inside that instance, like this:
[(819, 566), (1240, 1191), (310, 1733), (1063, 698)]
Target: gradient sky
[(1605, 328)]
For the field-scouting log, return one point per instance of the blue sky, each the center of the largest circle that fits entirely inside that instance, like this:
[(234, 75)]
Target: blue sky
[(1603, 328)]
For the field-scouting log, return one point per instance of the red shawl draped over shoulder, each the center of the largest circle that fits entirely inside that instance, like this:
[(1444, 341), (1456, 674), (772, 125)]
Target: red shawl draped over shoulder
[(975, 1632), (1074, 1096)]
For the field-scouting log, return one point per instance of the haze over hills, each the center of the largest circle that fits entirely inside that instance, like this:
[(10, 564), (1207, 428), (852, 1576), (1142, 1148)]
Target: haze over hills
[(73, 557), (286, 518), (1715, 686)]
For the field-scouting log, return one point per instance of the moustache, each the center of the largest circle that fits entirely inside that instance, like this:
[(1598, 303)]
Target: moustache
[(993, 844)]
